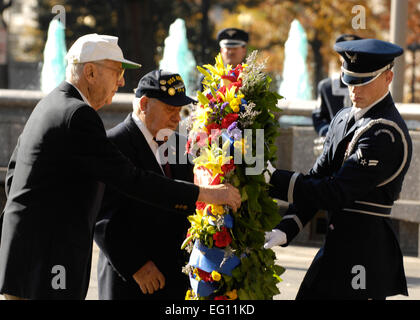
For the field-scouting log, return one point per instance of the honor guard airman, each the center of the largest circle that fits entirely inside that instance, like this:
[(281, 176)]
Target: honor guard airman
[(357, 178)]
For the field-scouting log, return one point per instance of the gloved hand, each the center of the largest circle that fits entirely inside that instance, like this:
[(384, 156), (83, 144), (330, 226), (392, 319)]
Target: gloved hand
[(269, 172), (274, 237)]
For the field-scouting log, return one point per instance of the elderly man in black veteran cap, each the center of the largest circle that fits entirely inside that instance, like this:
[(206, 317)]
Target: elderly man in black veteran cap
[(140, 257), (233, 45), (357, 178)]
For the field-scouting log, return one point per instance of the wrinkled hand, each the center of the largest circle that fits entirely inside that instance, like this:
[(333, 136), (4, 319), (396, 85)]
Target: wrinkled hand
[(149, 278), (274, 237), (221, 194)]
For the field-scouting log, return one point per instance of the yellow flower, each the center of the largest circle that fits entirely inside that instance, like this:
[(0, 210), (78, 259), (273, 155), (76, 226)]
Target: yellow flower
[(217, 210), (216, 276), (232, 295), (195, 272), (219, 68), (241, 144), (201, 117), (236, 102), (212, 159), (189, 295)]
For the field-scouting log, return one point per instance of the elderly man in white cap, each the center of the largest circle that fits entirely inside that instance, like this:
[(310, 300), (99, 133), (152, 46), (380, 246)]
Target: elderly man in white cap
[(56, 176)]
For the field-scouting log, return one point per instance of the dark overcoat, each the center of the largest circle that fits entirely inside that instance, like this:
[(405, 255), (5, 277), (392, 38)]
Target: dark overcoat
[(127, 239), (54, 187)]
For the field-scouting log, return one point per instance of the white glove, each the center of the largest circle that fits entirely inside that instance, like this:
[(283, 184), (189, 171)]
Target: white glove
[(274, 237), (269, 172)]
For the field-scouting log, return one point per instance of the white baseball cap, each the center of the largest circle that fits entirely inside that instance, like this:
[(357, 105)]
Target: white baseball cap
[(94, 47)]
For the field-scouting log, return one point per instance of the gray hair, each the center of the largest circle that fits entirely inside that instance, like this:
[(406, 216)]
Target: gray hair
[(136, 103), (74, 72)]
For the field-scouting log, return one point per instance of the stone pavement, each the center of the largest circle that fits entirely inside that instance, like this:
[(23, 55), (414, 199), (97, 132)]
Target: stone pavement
[(296, 260)]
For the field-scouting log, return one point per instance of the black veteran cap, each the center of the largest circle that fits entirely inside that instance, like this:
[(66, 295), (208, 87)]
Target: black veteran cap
[(366, 59), (165, 86), (232, 37)]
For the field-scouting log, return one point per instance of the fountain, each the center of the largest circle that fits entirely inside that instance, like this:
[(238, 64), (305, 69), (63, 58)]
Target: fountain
[(54, 67), (178, 58), (295, 84), (295, 81)]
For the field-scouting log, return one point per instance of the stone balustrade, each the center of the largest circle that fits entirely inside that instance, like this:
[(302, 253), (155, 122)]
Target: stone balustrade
[(295, 152)]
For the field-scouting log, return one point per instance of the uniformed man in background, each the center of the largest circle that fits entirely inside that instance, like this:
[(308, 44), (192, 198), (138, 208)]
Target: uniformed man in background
[(233, 44), (357, 178), (333, 95)]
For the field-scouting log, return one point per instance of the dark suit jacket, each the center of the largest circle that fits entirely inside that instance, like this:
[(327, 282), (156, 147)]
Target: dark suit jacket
[(127, 239), (357, 178), (62, 160)]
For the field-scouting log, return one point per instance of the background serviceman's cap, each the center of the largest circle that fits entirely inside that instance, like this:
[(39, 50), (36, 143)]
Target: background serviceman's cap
[(366, 59), (165, 86), (94, 47), (232, 37), (347, 37)]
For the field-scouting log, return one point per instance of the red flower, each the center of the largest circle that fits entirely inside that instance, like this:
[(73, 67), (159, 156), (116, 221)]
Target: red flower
[(227, 121), (222, 90), (220, 298), (200, 205), (210, 97), (188, 146), (222, 238), (205, 276), (212, 126), (237, 84), (231, 77), (216, 180), (228, 167)]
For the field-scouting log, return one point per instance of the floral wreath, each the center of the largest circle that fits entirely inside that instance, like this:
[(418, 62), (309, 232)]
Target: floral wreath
[(227, 258)]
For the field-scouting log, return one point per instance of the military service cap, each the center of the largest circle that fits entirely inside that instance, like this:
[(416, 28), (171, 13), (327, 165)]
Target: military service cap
[(232, 37), (366, 59)]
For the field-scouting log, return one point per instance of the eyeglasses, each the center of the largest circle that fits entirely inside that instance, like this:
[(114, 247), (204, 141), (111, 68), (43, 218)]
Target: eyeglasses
[(120, 72)]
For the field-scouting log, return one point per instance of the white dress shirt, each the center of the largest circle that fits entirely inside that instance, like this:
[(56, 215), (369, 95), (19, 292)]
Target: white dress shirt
[(83, 97), (149, 138), (358, 113)]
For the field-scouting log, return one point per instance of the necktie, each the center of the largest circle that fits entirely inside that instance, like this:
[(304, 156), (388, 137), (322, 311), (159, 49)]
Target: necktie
[(166, 167), (350, 123)]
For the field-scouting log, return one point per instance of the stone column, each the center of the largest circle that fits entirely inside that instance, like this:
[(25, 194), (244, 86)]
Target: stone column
[(398, 33)]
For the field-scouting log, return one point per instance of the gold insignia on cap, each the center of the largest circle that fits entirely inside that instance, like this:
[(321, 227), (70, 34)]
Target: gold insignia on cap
[(162, 82), (351, 57), (171, 91), (163, 88), (231, 32)]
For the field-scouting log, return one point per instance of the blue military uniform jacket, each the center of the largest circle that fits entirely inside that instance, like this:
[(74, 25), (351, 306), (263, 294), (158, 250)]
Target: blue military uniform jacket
[(357, 178)]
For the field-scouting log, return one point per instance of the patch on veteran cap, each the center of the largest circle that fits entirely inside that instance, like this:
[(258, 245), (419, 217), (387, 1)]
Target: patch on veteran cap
[(165, 86), (232, 37), (366, 59)]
